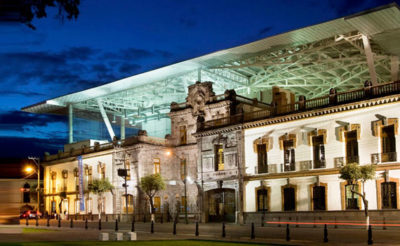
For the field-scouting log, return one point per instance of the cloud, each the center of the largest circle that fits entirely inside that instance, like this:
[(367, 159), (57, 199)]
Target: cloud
[(21, 93), (129, 68), (23, 147), (20, 121)]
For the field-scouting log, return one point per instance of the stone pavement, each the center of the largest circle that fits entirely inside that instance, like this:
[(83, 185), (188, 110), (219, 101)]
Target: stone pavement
[(209, 231)]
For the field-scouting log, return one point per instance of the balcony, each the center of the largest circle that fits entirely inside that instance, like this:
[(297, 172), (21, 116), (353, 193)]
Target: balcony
[(288, 167), (319, 164), (262, 169), (383, 157), (333, 99), (352, 159)]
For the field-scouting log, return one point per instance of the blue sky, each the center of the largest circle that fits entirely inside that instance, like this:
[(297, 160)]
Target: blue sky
[(115, 39)]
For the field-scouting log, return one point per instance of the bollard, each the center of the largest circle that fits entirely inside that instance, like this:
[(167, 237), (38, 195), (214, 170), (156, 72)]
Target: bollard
[(384, 223), (325, 234), (100, 224), (59, 222), (262, 220), (223, 229), (86, 224), (174, 229), (27, 221), (133, 226), (252, 235), (287, 232), (335, 223), (116, 224), (370, 241), (48, 221), (297, 222), (71, 224), (197, 229), (279, 220), (37, 220), (152, 227)]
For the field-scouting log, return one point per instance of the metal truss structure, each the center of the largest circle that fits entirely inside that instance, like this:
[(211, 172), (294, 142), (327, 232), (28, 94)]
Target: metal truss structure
[(340, 54)]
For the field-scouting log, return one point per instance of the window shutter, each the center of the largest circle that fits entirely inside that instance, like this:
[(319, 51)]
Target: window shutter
[(292, 159), (321, 152), (356, 127), (395, 122), (323, 132)]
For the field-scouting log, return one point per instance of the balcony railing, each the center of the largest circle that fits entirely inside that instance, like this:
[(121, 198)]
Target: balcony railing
[(332, 99), (383, 157), (352, 159), (389, 157), (262, 169)]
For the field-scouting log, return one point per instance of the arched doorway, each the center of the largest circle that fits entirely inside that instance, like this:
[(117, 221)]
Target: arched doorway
[(221, 205)]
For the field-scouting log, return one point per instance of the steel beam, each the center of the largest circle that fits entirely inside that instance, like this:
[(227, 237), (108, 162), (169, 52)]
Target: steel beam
[(370, 59), (105, 119)]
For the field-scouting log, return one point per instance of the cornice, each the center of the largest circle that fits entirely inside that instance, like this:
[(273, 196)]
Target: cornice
[(314, 172), (303, 115)]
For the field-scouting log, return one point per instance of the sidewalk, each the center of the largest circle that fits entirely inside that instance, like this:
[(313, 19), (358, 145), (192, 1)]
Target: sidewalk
[(271, 235)]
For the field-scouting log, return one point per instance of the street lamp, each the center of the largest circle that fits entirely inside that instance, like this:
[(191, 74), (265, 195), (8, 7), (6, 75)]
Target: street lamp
[(184, 180), (29, 169)]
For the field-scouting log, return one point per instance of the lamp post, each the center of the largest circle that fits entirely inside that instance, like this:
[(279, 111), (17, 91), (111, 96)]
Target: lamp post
[(184, 180), (36, 160)]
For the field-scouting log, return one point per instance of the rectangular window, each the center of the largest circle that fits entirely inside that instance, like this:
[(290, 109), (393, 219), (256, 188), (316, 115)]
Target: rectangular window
[(318, 151), (76, 177), (157, 204), (128, 169), (53, 182), (262, 161), (157, 164), (182, 134), (388, 144), (183, 169), (102, 170), (289, 157), (183, 201), (262, 200), (77, 206), (351, 198), (89, 205), (130, 204), (219, 157), (351, 147)]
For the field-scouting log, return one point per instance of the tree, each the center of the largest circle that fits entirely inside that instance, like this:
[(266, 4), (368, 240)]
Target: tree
[(150, 185), (354, 173), (25, 11), (99, 187)]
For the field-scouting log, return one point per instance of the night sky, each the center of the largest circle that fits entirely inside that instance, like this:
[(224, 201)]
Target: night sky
[(111, 40)]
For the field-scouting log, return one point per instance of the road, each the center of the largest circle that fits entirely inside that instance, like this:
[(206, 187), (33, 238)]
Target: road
[(302, 235)]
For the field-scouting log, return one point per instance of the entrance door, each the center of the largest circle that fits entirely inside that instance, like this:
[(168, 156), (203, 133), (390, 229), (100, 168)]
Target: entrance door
[(221, 205), (389, 196), (319, 198), (289, 199)]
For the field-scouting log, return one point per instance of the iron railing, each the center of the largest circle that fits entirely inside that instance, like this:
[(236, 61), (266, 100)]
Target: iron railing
[(332, 99)]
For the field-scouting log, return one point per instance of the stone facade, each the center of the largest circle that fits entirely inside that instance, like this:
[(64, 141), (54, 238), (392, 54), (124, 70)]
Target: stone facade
[(240, 158)]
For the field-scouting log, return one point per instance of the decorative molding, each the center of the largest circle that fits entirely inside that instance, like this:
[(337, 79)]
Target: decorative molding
[(304, 115)]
